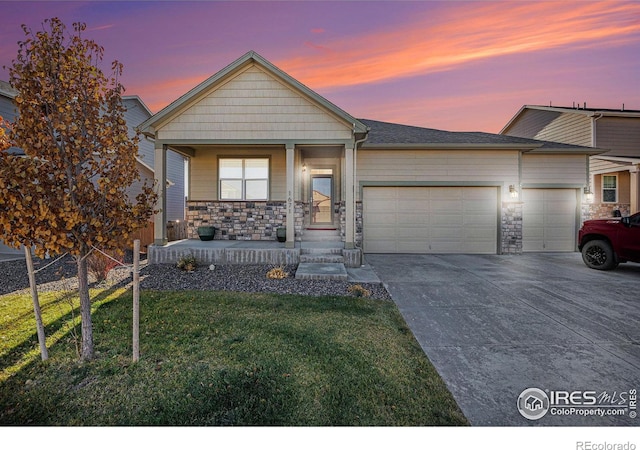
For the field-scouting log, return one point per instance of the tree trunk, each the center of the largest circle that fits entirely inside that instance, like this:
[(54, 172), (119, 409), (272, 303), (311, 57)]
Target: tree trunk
[(85, 308)]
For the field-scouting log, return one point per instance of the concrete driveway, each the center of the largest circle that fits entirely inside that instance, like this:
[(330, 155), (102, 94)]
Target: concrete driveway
[(495, 326)]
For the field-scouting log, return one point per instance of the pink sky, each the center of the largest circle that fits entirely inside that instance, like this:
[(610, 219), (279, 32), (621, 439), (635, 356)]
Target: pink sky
[(447, 65)]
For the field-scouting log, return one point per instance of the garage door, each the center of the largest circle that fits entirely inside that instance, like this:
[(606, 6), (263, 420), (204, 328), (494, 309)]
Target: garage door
[(549, 220), (430, 219)]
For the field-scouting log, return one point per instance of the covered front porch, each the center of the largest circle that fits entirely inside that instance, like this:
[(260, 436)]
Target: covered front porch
[(264, 152), (252, 252)]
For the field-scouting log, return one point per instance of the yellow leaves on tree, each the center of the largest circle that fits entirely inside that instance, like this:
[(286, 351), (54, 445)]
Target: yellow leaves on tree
[(69, 191)]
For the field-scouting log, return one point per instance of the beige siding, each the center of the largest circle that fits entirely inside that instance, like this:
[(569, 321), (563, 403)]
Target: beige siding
[(554, 169), (437, 165), (254, 105), (619, 134), (531, 122), (568, 128), (598, 165), (204, 171)]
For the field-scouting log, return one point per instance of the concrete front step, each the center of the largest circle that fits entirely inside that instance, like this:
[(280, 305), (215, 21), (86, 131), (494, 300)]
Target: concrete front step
[(311, 235), (321, 258), (321, 250), (321, 271)]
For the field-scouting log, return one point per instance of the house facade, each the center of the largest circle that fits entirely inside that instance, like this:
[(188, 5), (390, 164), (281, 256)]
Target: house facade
[(614, 174), (266, 152)]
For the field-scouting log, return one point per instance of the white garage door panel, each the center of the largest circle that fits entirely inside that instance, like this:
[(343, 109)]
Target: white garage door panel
[(430, 220), (549, 220)]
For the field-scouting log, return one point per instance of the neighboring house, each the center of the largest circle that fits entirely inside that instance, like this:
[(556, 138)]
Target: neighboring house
[(615, 175), (261, 145), (136, 113)]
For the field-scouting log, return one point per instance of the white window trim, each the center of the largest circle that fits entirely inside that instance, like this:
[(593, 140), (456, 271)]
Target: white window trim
[(609, 189), (243, 179)]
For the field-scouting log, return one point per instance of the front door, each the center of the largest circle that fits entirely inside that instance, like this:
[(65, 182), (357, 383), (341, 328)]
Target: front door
[(322, 198)]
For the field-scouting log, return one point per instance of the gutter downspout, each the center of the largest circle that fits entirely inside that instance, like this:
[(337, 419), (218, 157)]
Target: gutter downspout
[(355, 171), (594, 135)]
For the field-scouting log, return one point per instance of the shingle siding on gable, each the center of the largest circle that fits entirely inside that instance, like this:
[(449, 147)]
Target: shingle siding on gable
[(620, 134), (254, 105)]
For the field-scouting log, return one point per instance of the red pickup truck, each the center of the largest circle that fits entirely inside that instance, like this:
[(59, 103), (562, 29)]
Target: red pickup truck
[(605, 243)]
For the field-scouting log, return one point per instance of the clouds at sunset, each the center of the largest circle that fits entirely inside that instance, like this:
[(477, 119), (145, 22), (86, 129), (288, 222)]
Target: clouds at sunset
[(462, 35), (441, 64)]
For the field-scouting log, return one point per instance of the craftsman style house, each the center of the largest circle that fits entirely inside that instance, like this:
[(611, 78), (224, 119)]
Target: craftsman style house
[(267, 152)]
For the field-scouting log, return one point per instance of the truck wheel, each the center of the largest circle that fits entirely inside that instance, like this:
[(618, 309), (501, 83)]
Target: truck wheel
[(599, 255)]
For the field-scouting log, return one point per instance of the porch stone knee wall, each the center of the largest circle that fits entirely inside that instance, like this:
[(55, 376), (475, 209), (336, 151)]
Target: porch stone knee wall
[(242, 221), (343, 220), (511, 228), (605, 210)]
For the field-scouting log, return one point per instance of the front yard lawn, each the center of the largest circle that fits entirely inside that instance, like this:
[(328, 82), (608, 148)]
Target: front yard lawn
[(220, 358)]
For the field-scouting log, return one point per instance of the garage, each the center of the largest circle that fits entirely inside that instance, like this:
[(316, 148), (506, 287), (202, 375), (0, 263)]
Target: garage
[(549, 220), (430, 219)]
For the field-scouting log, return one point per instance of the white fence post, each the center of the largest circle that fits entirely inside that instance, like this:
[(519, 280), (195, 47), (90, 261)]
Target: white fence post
[(136, 300)]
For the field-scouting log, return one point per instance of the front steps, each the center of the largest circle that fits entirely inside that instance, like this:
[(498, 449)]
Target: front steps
[(322, 258)]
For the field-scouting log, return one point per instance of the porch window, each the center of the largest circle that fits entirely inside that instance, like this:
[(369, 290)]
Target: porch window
[(609, 188), (244, 178)]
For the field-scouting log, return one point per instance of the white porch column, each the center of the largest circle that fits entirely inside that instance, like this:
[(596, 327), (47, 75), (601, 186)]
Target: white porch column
[(291, 210), (634, 187), (160, 175), (350, 205)]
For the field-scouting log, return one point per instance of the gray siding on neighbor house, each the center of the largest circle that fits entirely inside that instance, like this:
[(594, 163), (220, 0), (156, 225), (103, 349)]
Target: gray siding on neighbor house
[(568, 128), (621, 135), (7, 108), (135, 115), (8, 112)]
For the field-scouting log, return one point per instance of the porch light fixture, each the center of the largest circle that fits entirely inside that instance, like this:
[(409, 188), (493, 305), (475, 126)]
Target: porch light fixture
[(513, 191), (588, 195), (304, 167)]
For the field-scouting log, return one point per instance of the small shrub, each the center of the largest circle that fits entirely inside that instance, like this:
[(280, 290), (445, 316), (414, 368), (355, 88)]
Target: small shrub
[(99, 265), (358, 291), (187, 263), (277, 273)]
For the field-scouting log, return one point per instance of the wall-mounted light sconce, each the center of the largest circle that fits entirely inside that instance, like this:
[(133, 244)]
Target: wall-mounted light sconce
[(513, 191), (588, 195), (304, 167)]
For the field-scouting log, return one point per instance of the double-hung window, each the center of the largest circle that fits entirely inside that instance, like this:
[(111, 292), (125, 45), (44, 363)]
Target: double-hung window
[(609, 188), (244, 178)]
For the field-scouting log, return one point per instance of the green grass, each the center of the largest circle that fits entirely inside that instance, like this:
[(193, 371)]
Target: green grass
[(220, 358)]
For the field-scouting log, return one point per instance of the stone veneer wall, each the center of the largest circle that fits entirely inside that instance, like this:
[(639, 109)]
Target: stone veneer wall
[(242, 220), (511, 228), (605, 210)]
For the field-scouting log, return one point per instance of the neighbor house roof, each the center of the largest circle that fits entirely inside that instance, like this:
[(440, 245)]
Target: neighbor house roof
[(251, 57), (385, 135), (589, 112)]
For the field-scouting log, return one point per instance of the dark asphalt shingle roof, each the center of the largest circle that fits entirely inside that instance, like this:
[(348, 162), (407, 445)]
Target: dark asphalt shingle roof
[(392, 133)]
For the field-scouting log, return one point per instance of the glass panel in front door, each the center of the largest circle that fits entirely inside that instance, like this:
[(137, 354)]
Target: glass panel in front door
[(322, 202)]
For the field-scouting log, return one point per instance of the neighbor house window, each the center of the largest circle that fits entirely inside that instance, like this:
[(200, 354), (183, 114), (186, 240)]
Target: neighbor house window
[(609, 188), (244, 178)]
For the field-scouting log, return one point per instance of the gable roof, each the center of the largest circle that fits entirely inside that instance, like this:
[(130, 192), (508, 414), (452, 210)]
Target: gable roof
[(387, 135), (174, 108), (589, 112)]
